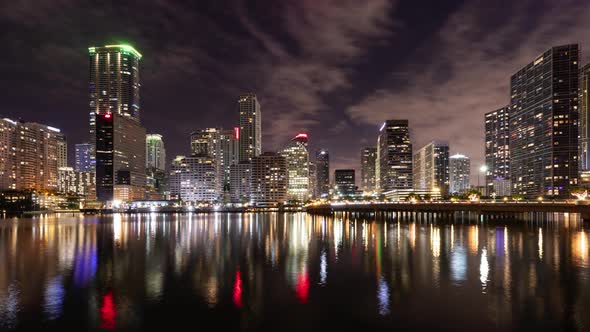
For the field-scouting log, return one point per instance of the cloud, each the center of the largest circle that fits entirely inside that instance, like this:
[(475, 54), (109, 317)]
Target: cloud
[(319, 39), (466, 69)]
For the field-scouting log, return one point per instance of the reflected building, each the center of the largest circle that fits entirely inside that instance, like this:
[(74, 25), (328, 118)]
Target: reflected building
[(544, 124)]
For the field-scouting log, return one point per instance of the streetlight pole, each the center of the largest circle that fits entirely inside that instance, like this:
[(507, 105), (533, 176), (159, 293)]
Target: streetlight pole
[(483, 169)]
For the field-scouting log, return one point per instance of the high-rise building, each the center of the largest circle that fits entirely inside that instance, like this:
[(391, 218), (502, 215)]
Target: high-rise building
[(83, 157), (193, 179), (80, 183), (116, 132), (250, 140), (269, 179), (227, 155), (8, 129), (431, 167), (220, 145), (114, 84), (322, 173), (584, 121), (240, 180), (62, 151), (344, 182), (297, 157), (544, 124), (497, 147), (459, 171), (155, 152), (368, 163), (313, 185), (30, 155), (155, 162), (394, 156)]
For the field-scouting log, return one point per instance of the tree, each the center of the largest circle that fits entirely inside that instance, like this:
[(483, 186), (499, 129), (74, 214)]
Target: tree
[(579, 192), (517, 197)]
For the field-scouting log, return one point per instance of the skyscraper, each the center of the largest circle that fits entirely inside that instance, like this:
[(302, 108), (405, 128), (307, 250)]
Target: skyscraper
[(116, 132), (544, 124), (368, 163), (155, 152), (250, 140), (227, 155), (83, 157), (114, 84), (269, 179), (240, 181), (431, 167), (459, 171), (73, 182), (344, 182), (497, 148), (297, 157), (584, 109), (30, 155), (394, 156), (322, 169)]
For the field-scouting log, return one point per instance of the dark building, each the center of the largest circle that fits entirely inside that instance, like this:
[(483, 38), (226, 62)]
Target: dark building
[(394, 156), (544, 124), (322, 173), (84, 162), (497, 148), (344, 182), (116, 132), (368, 162)]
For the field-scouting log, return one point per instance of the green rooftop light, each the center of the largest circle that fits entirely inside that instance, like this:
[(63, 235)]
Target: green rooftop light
[(123, 47)]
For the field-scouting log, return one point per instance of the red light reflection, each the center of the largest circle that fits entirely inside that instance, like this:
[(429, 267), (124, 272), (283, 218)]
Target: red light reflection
[(302, 288), (108, 313), (237, 296)]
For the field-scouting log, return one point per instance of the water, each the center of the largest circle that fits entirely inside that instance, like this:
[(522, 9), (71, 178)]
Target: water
[(292, 272)]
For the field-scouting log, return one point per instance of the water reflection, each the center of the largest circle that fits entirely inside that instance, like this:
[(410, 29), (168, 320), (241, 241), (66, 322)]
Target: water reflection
[(112, 271)]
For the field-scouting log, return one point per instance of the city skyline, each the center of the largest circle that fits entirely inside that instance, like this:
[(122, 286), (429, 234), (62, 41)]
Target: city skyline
[(359, 70)]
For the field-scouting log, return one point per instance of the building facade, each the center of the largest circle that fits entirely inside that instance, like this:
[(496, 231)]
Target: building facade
[(394, 156), (322, 172), (270, 179), (297, 156), (497, 147), (459, 172), (30, 155), (250, 138), (79, 183), (240, 181), (584, 121), (431, 167), (115, 130), (368, 164), (544, 124), (193, 179), (155, 152), (84, 160), (344, 182)]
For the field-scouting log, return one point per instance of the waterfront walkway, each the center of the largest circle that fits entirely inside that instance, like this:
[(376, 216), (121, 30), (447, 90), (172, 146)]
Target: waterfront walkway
[(484, 208)]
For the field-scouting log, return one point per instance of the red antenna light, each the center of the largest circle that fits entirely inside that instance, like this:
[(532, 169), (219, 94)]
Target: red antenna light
[(107, 116)]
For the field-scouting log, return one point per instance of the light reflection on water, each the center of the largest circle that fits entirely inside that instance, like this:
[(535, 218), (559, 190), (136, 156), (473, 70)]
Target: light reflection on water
[(246, 270)]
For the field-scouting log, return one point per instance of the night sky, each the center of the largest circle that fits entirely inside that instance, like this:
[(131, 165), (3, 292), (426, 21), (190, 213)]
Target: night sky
[(335, 69)]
